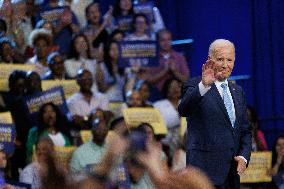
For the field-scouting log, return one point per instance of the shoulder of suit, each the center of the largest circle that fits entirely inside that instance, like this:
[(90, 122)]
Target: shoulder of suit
[(236, 86)]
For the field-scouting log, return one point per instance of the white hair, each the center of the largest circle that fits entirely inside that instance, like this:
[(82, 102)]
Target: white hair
[(219, 43)]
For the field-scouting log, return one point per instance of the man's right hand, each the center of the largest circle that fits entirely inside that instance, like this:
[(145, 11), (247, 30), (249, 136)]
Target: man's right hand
[(208, 76)]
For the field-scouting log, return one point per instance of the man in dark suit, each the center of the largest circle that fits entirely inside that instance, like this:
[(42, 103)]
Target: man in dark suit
[(219, 136)]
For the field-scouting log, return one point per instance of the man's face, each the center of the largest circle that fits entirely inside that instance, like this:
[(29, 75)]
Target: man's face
[(86, 81), (165, 40), (58, 66), (224, 58)]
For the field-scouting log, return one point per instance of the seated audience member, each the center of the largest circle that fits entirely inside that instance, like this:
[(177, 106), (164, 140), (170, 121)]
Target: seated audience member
[(168, 108), (93, 151), (140, 26), (80, 58), (56, 65), (149, 93), (123, 15), (155, 17), (4, 170), (7, 51), (31, 173), (172, 64), (40, 40), (51, 124), (112, 79), (83, 102), (134, 100), (33, 83), (258, 140), (278, 163)]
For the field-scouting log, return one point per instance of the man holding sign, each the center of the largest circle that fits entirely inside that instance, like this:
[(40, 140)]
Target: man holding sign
[(219, 136)]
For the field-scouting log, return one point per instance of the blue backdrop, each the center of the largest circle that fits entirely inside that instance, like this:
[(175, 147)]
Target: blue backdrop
[(256, 27)]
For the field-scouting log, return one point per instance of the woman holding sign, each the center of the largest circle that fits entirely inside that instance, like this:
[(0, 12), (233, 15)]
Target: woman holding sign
[(50, 125)]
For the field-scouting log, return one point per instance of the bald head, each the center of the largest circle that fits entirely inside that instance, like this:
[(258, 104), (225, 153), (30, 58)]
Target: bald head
[(220, 43)]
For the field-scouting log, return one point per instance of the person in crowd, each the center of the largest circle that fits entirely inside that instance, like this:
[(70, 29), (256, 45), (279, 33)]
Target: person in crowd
[(33, 83), (140, 26), (56, 65), (123, 15), (112, 78), (79, 7), (277, 170), (148, 92), (81, 58), (3, 28), (7, 51), (21, 25), (83, 102), (169, 111), (4, 170), (218, 129), (93, 151), (31, 173), (258, 140), (154, 16), (134, 100), (119, 126), (51, 124), (40, 40), (65, 25), (171, 63), (116, 35)]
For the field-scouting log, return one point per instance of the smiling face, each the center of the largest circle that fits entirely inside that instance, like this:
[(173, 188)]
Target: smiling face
[(94, 14), (224, 58)]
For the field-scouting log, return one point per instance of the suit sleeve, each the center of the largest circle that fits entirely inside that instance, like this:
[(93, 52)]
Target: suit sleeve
[(191, 98), (246, 134)]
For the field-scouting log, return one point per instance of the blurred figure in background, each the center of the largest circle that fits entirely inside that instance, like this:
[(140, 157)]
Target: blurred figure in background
[(5, 173)]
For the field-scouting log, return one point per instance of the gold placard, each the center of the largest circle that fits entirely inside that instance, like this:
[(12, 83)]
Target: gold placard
[(135, 116), (257, 171), (69, 86)]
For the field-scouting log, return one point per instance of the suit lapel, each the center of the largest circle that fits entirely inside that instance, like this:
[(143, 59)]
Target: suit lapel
[(236, 98)]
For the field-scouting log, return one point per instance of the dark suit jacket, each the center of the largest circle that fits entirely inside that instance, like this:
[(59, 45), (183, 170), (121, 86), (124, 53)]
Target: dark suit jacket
[(212, 141)]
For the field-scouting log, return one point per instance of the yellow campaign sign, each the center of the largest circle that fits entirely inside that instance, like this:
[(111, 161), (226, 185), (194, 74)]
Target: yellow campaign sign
[(183, 126), (135, 116), (86, 135), (64, 154), (69, 86), (115, 108), (6, 117), (4, 85), (7, 69), (259, 166)]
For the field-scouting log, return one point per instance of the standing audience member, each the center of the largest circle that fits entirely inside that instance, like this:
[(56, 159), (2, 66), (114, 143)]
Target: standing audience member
[(112, 78), (40, 40), (172, 64), (51, 124), (169, 111), (140, 25), (123, 15)]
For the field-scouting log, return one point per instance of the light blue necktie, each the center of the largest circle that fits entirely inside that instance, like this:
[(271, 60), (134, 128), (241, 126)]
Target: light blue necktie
[(228, 103)]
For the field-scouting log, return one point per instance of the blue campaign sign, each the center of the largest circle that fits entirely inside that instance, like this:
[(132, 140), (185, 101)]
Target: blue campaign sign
[(7, 137), (138, 53), (34, 102), (19, 185), (145, 8)]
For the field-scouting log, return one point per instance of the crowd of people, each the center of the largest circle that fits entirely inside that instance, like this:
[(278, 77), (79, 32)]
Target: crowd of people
[(74, 40)]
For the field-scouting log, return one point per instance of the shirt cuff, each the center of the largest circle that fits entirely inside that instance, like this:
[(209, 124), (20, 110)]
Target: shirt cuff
[(202, 89), (246, 161)]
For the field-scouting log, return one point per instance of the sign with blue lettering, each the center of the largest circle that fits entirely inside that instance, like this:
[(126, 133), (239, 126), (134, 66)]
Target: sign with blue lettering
[(138, 53)]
